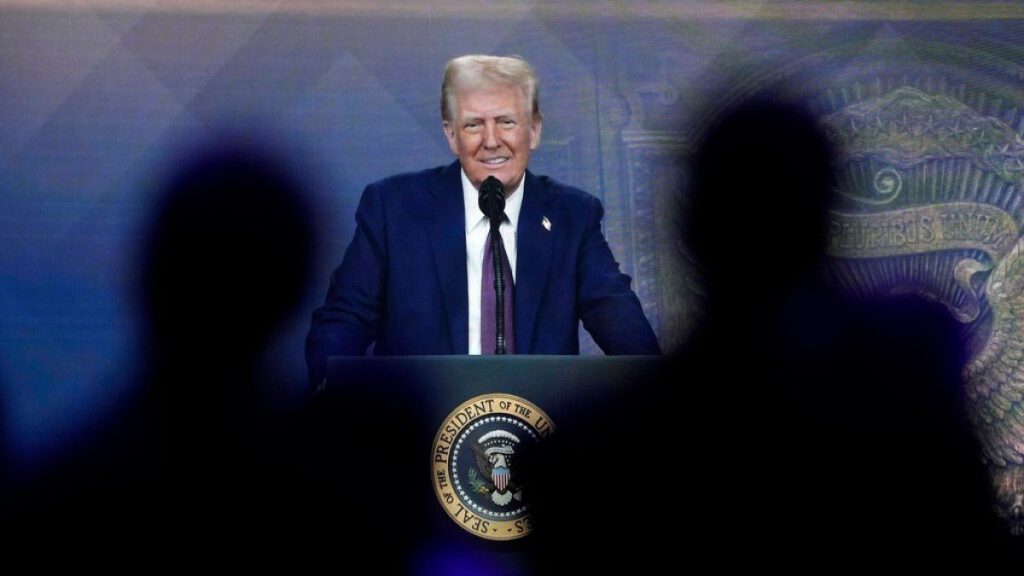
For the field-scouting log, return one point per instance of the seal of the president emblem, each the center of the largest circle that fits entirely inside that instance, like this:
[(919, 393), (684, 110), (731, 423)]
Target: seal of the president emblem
[(473, 464)]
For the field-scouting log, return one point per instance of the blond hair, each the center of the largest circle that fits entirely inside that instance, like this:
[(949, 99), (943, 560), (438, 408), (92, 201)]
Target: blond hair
[(476, 70)]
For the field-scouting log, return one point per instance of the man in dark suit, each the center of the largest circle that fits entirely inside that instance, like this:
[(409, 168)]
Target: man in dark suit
[(415, 279)]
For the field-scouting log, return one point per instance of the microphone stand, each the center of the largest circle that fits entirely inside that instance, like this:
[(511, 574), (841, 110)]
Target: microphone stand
[(499, 286), (492, 204)]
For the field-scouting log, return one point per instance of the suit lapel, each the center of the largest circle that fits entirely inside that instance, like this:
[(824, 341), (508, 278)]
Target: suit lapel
[(533, 257), (448, 244)]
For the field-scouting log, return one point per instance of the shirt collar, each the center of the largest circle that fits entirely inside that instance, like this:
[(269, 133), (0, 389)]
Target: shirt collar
[(471, 197)]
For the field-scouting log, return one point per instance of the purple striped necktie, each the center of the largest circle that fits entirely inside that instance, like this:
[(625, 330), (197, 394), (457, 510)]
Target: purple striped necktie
[(488, 303)]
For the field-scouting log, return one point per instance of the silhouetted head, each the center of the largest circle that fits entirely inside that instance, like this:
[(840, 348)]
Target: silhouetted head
[(761, 175), (228, 255)]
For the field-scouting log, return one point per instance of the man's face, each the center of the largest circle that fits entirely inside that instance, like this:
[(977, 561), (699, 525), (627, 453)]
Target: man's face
[(492, 132)]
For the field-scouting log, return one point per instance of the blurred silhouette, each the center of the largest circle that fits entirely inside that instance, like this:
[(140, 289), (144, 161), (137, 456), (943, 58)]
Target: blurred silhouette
[(754, 229), (843, 422), (760, 175), (795, 419), (227, 257)]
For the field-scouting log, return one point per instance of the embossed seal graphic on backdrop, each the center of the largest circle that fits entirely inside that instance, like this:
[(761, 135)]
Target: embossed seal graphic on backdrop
[(930, 202), (473, 464)]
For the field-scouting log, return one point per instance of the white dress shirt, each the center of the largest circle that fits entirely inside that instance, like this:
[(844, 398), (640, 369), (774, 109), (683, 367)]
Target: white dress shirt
[(477, 229)]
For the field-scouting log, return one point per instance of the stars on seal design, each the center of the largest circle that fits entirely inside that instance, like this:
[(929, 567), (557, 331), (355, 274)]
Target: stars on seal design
[(467, 496)]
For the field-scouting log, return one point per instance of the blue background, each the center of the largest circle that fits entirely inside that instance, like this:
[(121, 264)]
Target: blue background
[(101, 104)]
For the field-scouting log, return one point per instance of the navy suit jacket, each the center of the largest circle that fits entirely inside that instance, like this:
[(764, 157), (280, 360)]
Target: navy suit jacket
[(403, 281)]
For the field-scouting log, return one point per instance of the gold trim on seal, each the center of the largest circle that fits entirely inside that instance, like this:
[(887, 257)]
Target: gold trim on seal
[(470, 411)]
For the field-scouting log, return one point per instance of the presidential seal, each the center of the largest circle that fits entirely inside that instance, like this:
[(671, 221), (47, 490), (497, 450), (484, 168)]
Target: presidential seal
[(473, 464)]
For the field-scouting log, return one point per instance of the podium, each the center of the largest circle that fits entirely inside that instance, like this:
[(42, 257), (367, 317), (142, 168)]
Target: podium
[(435, 458)]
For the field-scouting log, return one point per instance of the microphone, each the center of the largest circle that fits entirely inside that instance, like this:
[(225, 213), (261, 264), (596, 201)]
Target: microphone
[(492, 199)]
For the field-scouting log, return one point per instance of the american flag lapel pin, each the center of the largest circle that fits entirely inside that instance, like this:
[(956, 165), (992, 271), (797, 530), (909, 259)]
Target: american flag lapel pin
[(546, 223)]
